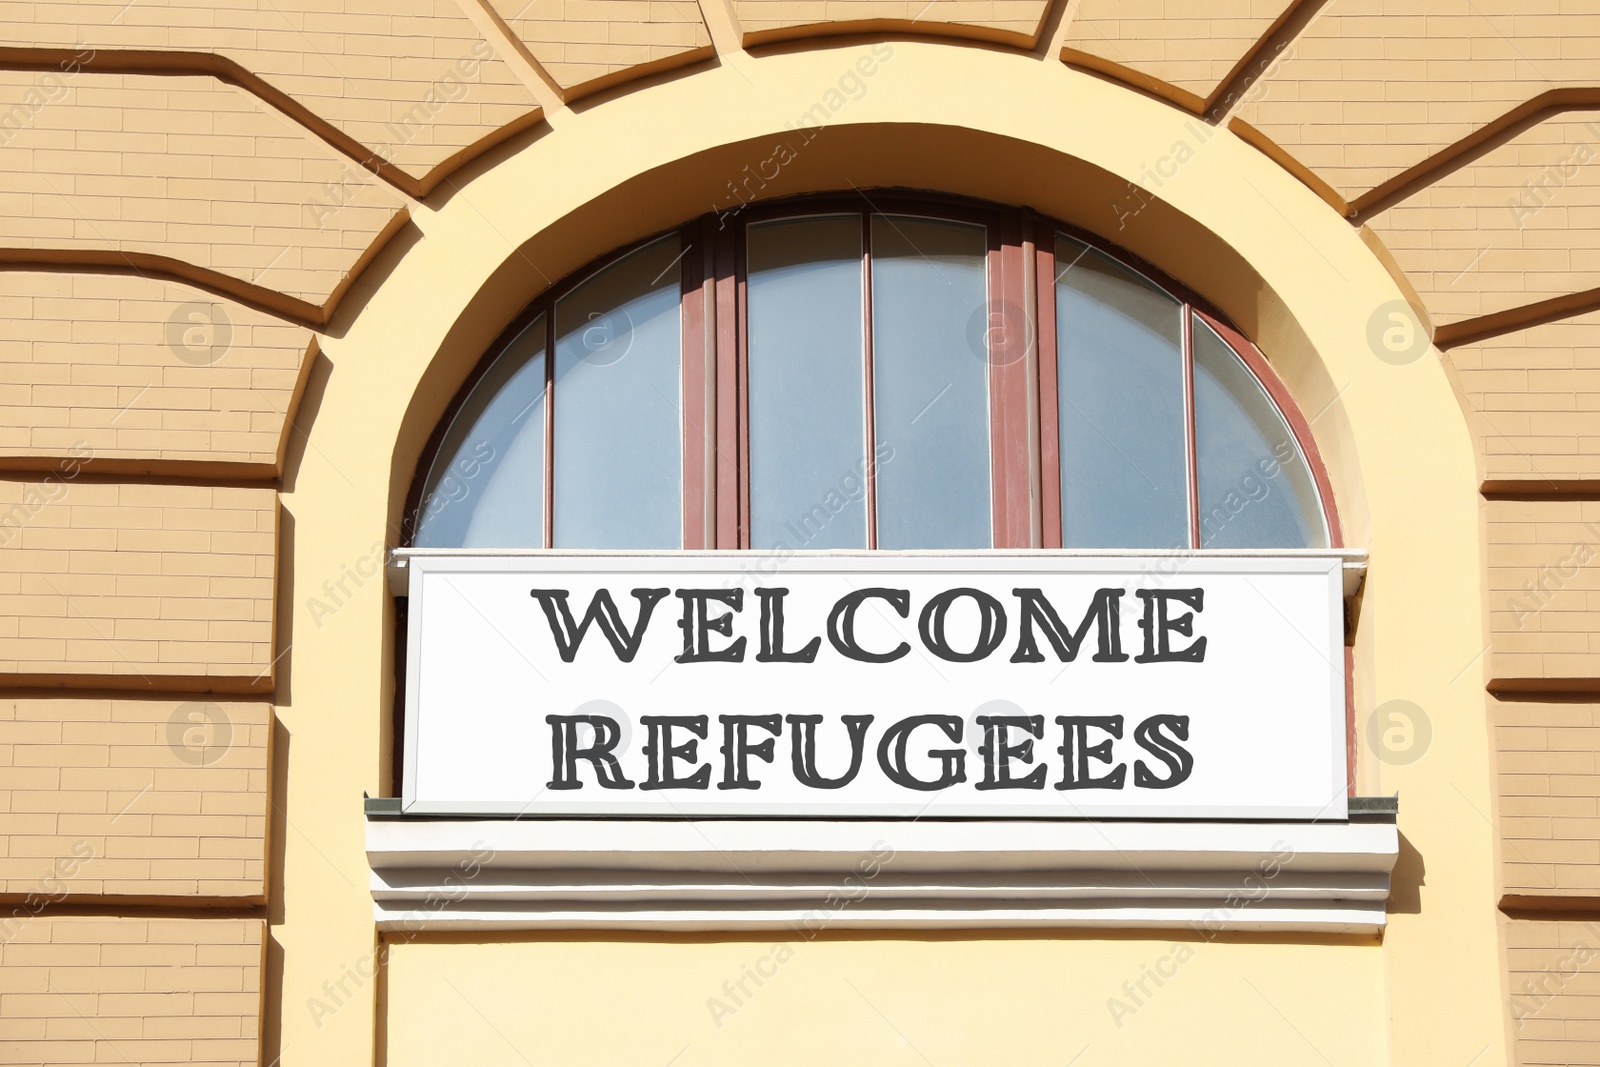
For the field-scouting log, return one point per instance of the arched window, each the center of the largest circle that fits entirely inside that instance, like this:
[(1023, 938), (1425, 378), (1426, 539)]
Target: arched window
[(885, 373)]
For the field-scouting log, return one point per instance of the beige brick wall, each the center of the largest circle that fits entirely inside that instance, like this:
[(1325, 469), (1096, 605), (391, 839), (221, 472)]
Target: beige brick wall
[(182, 167), (1554, 992), (141, 370), (1547, 761), (1516, 226), (1544, 589), (1018, 20), (1191, 44), (410, 79), (131, 991), (1375, 86), (581, 41), (133, 798), (139, 582), (1534, 399)]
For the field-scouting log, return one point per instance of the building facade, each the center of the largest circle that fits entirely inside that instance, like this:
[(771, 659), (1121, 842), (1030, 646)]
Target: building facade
[(1004, 329)]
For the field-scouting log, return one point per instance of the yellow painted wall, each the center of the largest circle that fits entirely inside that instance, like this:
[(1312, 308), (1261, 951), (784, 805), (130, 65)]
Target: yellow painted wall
[(941, 1000)]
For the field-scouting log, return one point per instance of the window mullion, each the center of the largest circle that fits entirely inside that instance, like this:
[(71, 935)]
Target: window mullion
[(870, 419), (1031, 358), (1192, 457), (549, 486), (731, 460), (1006, 340), (699, 381), (1049, 440)]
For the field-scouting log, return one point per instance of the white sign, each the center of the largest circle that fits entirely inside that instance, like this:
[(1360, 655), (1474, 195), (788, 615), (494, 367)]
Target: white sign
[(988, 685)]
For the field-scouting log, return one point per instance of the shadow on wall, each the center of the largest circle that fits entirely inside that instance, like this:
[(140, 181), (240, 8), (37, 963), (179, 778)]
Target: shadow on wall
[(1405, 884), (283, 613), (303, 417), (277, 841)]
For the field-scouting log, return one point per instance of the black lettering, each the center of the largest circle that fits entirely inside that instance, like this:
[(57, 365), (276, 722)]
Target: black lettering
[(1077, 752), (803, 753), (952, 761), (772, 632), (991, 625), (998, 753), (842, 623), (1105, 612), (565, 752), (1157, 626), (602, 612), (737, 748), (659, 752), (698, 626), (1179, 763)]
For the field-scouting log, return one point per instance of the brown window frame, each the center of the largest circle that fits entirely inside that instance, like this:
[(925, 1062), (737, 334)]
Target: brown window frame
[(1024, 442)]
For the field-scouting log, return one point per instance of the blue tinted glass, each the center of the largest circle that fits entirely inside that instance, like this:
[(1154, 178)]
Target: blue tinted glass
[(1124, 458), (618, 438), (930, 383), (486, 486), (807, 406), (1255, 488)]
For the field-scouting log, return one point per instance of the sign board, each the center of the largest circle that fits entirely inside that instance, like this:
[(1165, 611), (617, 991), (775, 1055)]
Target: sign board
[(883, 685)]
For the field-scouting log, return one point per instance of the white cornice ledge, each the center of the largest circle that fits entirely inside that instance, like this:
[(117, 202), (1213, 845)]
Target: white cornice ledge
[(805, 876)]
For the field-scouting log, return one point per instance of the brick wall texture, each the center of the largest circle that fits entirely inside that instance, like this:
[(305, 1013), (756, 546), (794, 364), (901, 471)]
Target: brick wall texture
[(579, 41), (1554, 992), (130, 991), (133, 798), (1548, 780), (1515, 226), (1017, 19), (134, 369), (135, 581), (187, 168), (411, 79), (1533, 402), (1192, 44), (1375, 86), (1544, 589)]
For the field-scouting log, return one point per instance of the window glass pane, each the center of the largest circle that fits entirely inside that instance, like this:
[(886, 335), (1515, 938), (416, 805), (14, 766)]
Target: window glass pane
[(1255, 488), (1119, 367), (618, 435), (807, 408), (486, 487), (930, 383)]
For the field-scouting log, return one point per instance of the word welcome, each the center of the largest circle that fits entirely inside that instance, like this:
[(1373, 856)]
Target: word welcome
[(705, 625)]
